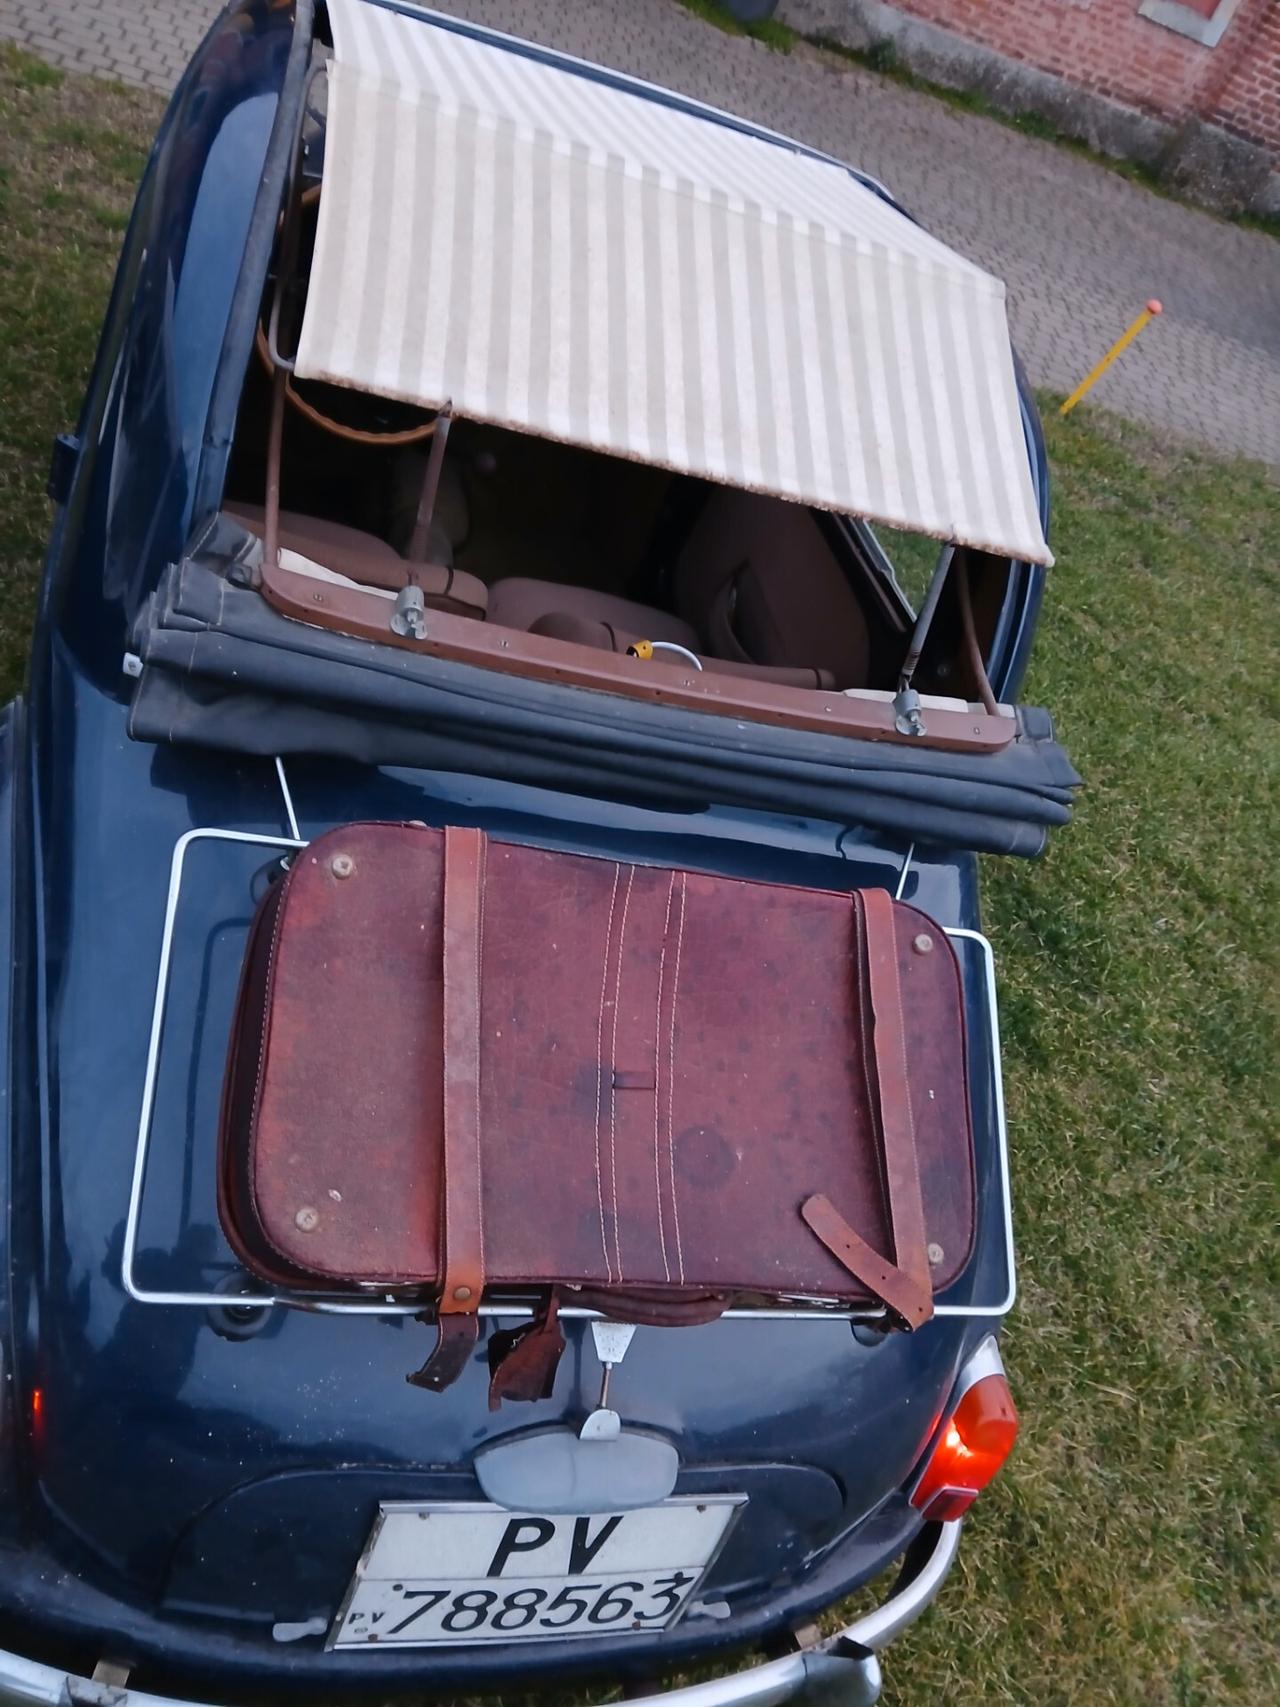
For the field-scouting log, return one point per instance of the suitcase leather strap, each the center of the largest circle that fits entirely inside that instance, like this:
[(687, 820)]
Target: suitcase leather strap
[(463, 1255), (461, 1227), (903, 1285)]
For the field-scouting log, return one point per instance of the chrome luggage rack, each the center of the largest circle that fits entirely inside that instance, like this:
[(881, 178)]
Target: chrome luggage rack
[(388, 1304)]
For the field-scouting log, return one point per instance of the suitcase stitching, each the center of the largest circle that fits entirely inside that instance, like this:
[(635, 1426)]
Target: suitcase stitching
[(604, 987), (613, 1089), (657, 1082), (671, 1076)]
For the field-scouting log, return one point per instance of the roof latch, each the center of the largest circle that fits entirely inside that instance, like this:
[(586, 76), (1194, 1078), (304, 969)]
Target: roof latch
[(906, 713), (409, 614)]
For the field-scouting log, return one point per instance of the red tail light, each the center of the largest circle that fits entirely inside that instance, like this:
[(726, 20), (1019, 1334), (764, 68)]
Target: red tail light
[(975, 1441)]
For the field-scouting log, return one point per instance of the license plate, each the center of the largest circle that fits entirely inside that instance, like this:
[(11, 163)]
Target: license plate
[(433, 1574)]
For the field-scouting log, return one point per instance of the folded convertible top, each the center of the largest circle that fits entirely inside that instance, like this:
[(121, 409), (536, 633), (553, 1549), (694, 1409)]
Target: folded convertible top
[(221, 669)]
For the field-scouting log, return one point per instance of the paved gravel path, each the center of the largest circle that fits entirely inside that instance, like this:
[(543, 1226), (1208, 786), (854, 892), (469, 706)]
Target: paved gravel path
[(1080, 247)]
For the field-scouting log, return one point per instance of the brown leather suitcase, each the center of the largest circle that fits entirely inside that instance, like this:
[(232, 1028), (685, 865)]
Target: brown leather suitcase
[(461, 1063)]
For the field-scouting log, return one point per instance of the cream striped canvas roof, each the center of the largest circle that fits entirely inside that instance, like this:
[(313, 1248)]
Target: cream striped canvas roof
[(582, 262)]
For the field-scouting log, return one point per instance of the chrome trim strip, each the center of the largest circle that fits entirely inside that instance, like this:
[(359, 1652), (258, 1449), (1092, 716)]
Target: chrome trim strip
[(986, 1360), (902, 877), (25, 1683), (140, 1294), (289, 812)]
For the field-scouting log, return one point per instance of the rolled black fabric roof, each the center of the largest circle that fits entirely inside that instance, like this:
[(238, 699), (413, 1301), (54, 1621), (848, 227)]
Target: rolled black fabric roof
[(221, 669)]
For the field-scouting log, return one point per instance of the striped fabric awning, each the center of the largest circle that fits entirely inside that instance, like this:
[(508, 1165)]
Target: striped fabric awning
[(579, 261)]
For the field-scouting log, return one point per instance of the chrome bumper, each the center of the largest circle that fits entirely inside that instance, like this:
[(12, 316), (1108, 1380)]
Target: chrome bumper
[(844, 1664)]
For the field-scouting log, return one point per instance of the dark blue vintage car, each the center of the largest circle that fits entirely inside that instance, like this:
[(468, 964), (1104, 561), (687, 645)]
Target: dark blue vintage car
[(682, 366)]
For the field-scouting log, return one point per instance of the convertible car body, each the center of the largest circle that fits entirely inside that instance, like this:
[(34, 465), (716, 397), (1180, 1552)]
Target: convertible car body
[(684, 370)]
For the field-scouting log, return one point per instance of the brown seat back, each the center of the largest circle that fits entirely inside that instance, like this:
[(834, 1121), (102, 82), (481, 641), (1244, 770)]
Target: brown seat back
[(759, 582), (368, 560)]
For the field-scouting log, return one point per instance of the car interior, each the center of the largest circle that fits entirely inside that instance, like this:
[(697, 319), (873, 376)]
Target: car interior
[(565, 555), (552, 540)]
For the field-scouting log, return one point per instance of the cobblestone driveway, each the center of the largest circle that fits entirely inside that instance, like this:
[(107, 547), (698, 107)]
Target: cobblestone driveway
[(1080, 247)]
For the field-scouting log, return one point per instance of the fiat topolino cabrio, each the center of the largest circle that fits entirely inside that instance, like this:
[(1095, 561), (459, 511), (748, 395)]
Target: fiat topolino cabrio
[(479, 437)]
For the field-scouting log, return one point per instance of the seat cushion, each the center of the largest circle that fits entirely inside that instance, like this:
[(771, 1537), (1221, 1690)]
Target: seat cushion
[(519, 602), (366, 559), (604, 637)]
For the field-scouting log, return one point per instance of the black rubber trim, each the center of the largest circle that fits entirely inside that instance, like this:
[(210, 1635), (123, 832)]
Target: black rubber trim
[(242, 322)]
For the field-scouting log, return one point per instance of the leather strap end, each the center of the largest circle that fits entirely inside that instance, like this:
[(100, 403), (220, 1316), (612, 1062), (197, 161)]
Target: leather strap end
[(523, 1361), (456, 1341), (909, 1301)]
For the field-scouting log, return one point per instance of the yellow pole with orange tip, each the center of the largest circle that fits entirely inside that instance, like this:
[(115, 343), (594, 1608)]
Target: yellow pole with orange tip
[(1122, 343)]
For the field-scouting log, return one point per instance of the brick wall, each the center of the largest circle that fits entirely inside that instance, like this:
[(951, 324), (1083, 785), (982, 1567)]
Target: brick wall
[(1110, 48), (1248, 102)]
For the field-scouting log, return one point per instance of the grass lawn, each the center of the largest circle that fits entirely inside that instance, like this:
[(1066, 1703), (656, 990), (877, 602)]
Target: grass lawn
[(1126, 1555), (71, 151)]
